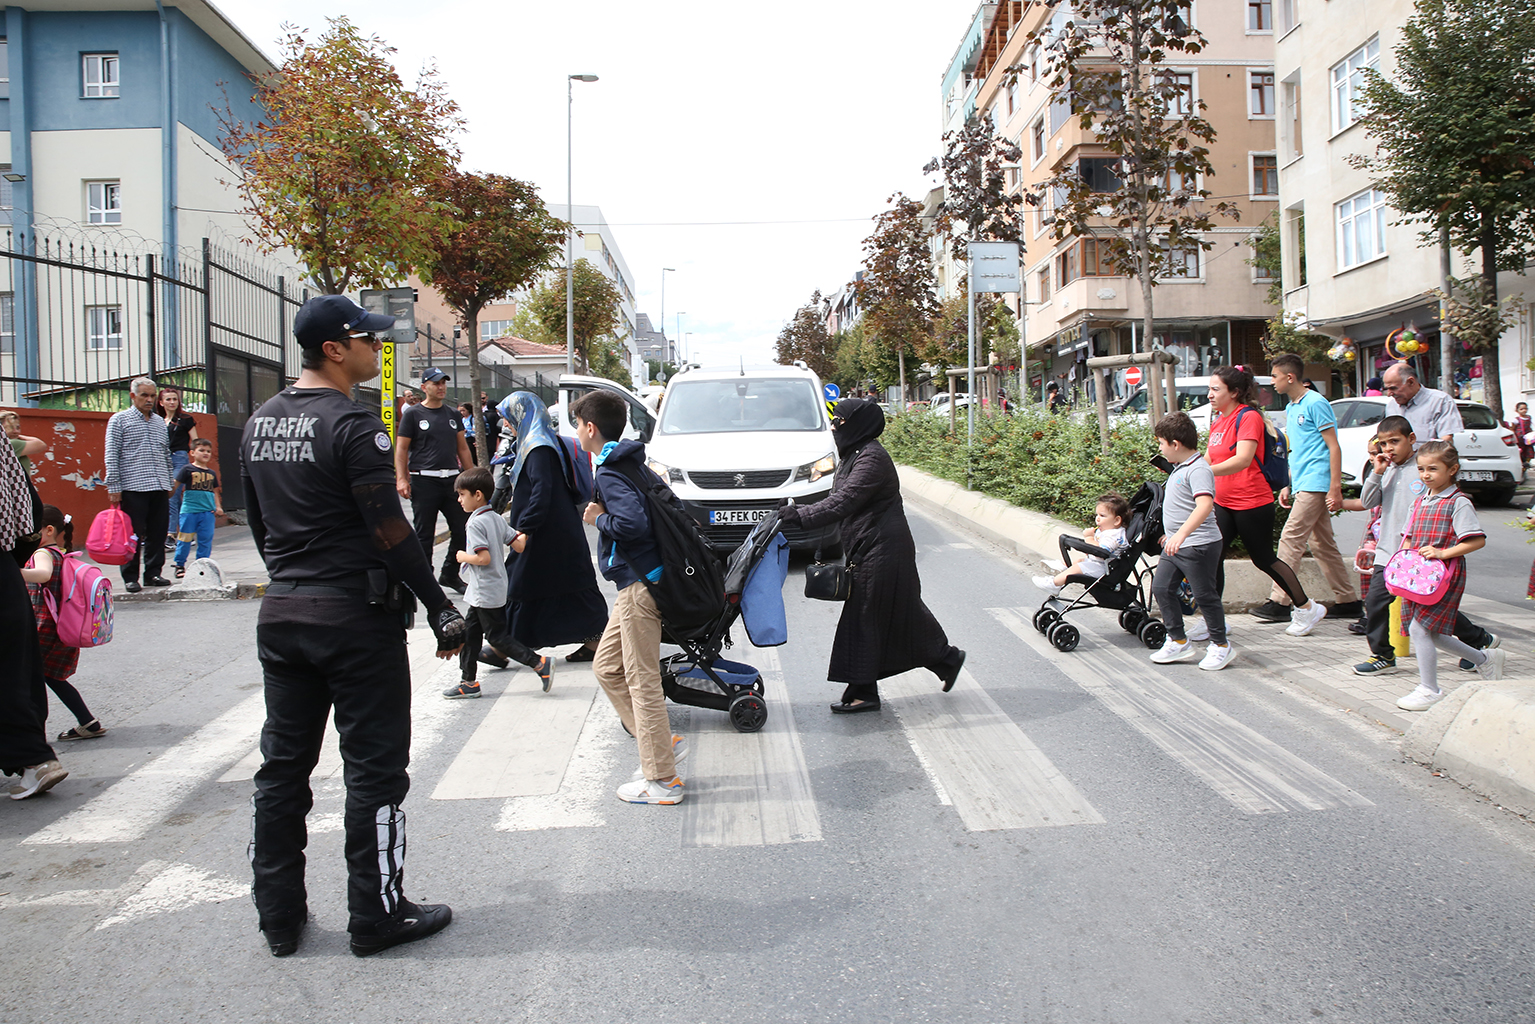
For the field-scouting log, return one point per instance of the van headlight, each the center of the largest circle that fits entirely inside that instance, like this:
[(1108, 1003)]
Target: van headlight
[(665, 472), (813, 471)]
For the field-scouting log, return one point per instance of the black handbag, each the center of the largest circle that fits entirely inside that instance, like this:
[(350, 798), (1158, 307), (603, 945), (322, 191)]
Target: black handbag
[(828, 582)]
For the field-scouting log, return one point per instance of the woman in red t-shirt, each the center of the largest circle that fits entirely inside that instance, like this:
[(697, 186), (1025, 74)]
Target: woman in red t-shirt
[(1244, 502)]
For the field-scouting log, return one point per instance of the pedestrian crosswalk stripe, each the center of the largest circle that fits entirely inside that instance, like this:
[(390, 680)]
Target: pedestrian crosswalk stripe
[(749, 789), (994, 775), (1252, 772), (524, 743), (586, 790)]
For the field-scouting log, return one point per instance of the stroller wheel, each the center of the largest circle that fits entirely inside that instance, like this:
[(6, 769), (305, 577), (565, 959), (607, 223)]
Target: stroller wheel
[(1130, 619), (748, 712), (1152, 633), (1044, 617), (1064, 636)]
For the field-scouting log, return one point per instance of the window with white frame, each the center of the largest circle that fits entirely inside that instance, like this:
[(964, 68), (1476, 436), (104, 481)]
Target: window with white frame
[(7, 190), (1260, 15), (1361, 228), (1181, 102), (5, 69), (1037, 138), (99, 73), (104, 327), (103, 202), (494, 329), (1290, 120), (1181, 262), (1012, 97), (1348, 84), (1287, 15), (1260, 94), (7, 324), (1265, 174), (1044, 283)]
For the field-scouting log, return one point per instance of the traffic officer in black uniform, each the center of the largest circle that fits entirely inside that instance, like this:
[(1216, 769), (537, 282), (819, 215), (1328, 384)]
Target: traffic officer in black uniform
[(430, 452), (319, 485)]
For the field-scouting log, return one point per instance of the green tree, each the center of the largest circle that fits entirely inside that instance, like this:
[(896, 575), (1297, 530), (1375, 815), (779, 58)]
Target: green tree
[(977, 202), (607, 361), (896, 291), (654, 368), (1147, 210), (343, 164), (502, 238), (805, 338), (1456, 131), (597, 310)]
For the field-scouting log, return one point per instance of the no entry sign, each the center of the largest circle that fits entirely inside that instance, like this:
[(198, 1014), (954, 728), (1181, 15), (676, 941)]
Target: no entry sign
[(1132, 375)]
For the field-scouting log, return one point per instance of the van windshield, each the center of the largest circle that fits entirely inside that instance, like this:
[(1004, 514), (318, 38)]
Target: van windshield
[(739, 404)]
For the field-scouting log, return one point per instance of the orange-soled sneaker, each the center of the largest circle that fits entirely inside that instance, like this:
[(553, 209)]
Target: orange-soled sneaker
[(652, 791)]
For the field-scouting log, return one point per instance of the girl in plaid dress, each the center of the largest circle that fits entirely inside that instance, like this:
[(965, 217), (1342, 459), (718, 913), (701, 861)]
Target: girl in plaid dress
[(45, 571), (1443, 526)]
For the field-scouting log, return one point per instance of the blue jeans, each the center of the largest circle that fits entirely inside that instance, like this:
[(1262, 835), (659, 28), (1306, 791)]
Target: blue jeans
[(178, 459), (197, 525)]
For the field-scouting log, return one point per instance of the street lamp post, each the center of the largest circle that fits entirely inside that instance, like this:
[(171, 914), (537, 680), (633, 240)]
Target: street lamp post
[(570, 214), (664, 272), (683, 354)]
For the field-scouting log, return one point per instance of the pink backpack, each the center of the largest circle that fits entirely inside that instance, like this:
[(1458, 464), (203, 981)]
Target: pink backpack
[(111, 540), (1414, 578), (83, 609)]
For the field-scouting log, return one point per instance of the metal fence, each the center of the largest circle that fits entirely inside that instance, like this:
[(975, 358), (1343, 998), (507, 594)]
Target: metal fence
[(435, 347)]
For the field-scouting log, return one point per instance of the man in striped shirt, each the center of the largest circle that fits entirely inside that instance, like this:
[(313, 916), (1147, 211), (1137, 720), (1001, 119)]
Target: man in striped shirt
[(139, 479)]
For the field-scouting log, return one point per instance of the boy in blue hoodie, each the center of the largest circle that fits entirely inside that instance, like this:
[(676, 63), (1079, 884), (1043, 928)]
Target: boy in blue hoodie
[(628, 658)]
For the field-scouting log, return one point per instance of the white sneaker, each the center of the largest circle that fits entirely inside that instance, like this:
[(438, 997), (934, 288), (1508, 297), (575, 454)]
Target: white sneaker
[(1173, 651), (652, 791), (1420, 699), (37, 779), (1056, 564), (679, 751), (1492, 668), (1304, 620), (1047, 584), (1218, 656), (1197, 633)]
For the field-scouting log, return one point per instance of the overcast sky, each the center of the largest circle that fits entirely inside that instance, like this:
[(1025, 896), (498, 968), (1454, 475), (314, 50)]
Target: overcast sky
[(705, 112)]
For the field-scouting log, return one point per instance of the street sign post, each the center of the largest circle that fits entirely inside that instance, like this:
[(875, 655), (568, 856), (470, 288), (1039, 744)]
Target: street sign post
[(399, 303), (386, 387), (993, 268), (1132, 375)]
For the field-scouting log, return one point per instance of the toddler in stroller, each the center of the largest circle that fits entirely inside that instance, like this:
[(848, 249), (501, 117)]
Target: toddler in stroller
[(1099, 542), (1123, 586)]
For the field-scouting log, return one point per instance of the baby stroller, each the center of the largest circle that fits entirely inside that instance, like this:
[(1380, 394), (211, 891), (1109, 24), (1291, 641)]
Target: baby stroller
[(697, 676), (1125, 587)]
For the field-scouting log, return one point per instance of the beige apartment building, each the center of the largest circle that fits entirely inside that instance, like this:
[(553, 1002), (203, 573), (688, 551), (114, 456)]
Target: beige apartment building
[(1351, 267), (1212, 312)]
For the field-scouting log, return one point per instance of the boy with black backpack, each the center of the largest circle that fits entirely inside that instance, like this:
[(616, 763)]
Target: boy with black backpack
[(628, 658)]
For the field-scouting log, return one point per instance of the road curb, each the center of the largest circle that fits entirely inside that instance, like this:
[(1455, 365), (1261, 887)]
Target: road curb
[(1483, 736)]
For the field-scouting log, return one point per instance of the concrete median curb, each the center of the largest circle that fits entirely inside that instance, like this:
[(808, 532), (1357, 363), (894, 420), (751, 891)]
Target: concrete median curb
[(1482, 735), (1034, 534)]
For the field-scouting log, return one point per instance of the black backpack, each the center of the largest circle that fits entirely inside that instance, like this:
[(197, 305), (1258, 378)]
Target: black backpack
[(1273, 457), (691, 592)]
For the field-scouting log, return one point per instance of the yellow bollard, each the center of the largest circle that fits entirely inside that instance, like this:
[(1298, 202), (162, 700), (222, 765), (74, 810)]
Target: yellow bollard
[(1400, 642)]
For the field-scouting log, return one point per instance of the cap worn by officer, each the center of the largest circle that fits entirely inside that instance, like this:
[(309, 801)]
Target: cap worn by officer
[(432, 375), (329, 317)]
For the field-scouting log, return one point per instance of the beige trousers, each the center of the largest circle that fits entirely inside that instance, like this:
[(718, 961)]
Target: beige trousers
[(628, 666), (1311, 523)]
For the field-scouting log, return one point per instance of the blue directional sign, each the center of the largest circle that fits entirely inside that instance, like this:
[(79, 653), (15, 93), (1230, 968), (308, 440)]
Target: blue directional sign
[(832, 392)]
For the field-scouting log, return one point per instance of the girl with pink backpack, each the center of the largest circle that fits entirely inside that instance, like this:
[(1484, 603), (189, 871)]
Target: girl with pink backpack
[(1429, 573), (45, 576)]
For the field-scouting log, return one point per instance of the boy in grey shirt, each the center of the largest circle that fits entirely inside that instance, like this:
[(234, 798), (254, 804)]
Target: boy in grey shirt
[(1191, 547), (486, 536)]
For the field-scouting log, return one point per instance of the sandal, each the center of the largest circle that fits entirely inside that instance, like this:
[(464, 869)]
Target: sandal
[(89, 731), (181, 572)]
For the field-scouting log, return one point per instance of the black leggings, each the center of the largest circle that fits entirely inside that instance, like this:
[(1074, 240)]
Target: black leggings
[(1256, 528), (66, 692)]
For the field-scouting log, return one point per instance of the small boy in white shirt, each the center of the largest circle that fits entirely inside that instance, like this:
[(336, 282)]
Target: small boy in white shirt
[(1107, 533), (486, 537)]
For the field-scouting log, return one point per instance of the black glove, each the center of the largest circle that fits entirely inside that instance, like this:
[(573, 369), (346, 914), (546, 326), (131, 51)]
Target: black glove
[(448, 625), (784, 503)]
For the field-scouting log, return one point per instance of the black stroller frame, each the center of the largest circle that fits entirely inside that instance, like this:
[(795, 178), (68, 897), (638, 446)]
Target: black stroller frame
[(722, 685), (1125, 587)]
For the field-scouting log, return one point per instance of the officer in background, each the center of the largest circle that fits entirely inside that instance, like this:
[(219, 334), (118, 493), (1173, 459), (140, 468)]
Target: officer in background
[(318, 477), (430, 441)]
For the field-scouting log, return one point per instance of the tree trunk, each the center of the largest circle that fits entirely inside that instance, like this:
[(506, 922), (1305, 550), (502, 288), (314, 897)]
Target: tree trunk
[(900, 356), (483, 443), (1142, 232), (1492, 384)]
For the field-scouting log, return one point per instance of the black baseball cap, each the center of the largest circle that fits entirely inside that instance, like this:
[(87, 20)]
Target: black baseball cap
[(432, 374), (327, 317)]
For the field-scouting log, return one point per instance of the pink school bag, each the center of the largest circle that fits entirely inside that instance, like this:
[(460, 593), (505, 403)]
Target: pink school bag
[(111, 540), (83, 610), (1414, 578)]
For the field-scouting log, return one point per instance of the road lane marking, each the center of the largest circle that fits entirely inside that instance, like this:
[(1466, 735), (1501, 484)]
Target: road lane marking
[(749, 789), (586, 789), (524, 743), (129, 808), (1252, 772), (994, 775)]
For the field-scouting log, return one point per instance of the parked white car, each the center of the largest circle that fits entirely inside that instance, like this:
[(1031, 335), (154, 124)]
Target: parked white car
[(939, 406), (733, 442), (1490, 469), (1194, 399)]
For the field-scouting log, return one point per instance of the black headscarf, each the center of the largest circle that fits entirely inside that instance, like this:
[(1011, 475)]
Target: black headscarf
[(858, 422)]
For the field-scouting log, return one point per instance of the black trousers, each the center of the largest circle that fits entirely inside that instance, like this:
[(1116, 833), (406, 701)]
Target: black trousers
[(488, 625), (1377, 619), (430, 495), (318, 655), (150, 513), (23, 698), (870, 691)]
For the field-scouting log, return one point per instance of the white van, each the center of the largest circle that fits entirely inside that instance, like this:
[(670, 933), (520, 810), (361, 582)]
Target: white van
[(733, 442)]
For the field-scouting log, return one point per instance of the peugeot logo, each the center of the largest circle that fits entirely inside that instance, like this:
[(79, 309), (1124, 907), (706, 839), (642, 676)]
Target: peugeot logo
[(740, 479)]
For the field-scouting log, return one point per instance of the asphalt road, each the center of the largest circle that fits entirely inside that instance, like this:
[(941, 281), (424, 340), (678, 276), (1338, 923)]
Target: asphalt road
[(1064, 838)]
